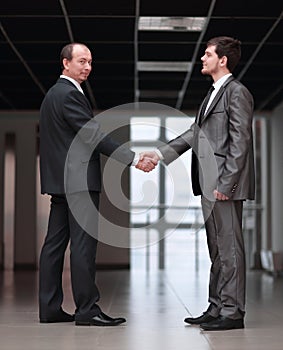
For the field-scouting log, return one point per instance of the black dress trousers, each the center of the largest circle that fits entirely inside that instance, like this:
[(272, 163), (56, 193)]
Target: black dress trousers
[(62, 229)]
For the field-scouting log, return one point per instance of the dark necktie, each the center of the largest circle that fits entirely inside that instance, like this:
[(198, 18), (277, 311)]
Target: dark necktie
[(205, 102)]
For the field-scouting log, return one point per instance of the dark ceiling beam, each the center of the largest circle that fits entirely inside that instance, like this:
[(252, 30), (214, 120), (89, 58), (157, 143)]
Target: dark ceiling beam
[(7, 101), (194, 58), (82, 16), (136, 52), (72, 39), (260, 45), (269, 98), (23, 61), (67, 20), (273, 94)]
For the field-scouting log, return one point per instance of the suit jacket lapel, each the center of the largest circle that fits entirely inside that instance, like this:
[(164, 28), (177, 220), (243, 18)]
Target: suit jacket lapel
[(66, 81), (217, 97), (198, 113)]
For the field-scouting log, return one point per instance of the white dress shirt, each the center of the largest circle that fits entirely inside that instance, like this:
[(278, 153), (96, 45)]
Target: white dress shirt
[(217, 85), (77, 85)]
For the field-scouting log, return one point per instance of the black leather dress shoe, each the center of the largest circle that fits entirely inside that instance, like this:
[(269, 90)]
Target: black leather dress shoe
[(222, 323), (101, 320), (204, 318), (60, 316)]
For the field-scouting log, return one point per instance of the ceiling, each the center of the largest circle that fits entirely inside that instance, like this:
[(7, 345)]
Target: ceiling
[(32, 33)]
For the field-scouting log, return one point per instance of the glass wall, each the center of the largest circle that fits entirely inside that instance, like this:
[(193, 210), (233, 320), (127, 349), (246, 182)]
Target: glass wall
[(166, 217)]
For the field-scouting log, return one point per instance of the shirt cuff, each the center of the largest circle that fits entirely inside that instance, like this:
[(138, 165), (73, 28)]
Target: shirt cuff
[(136, 160), (159, 154)]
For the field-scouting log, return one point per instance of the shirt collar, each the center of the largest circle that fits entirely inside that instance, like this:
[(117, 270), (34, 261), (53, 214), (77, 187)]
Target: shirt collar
[(221, 81), (77, 85)]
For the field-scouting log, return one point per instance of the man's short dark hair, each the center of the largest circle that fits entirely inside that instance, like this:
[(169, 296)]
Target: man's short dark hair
[(67, 52), (229, 47)]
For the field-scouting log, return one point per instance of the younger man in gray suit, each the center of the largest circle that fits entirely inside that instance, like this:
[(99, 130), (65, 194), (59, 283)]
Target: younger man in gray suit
[(223, 174)]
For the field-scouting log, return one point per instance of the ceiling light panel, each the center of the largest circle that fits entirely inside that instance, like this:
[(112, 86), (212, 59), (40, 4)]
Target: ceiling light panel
[(190, 24), (163, 66)]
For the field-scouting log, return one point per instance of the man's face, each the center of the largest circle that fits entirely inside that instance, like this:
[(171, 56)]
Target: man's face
[(79, 67), (210, 61)]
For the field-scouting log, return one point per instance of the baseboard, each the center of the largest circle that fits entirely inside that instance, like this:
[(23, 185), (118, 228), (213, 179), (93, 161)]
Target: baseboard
[(113, 266), (272, 261), (25, 267)]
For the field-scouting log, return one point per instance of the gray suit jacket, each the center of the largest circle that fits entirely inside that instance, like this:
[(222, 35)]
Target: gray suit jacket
[(223, 156), (64, 112)]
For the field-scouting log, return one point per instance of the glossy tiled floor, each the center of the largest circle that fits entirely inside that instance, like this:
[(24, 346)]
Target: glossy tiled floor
[(154, 302)]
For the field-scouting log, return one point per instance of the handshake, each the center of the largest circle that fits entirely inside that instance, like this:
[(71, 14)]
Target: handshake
[(147, 161)]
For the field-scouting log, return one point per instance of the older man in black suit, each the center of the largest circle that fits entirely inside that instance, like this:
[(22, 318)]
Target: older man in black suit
[(64, 112)]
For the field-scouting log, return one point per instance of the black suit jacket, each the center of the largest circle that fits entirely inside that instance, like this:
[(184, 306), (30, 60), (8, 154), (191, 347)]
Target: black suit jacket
[(64, 112), (223, 156)]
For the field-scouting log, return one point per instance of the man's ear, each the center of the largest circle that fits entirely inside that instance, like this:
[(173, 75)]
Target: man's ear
[(223, 61), (66, 63)]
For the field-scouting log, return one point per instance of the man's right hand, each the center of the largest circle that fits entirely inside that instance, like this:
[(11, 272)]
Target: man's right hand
[(150, 154), (147, 161)]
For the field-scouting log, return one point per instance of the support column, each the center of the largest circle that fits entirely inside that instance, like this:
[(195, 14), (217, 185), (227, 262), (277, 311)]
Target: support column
[(2, 158), (276, 242), (25, 196)]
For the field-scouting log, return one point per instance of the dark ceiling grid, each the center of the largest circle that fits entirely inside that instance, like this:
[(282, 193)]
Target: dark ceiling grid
[(194, 58), (272, 93), (23, 64), (33, 32), (22, 60), (136, 53), (72, 39)]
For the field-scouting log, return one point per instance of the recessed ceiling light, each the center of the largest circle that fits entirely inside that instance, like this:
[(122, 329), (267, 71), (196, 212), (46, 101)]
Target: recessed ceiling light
[(191, 24), (161, 66)]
